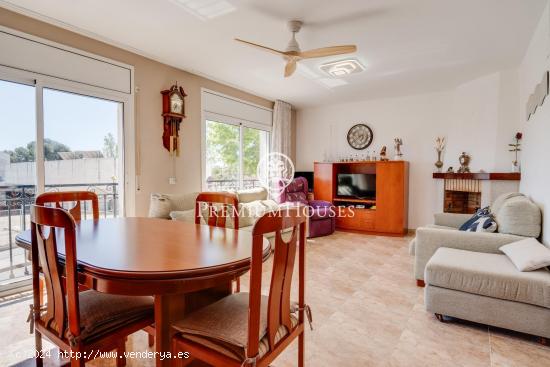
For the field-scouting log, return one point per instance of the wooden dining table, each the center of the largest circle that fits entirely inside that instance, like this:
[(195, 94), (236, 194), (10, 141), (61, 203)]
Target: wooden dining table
[(184, 266)]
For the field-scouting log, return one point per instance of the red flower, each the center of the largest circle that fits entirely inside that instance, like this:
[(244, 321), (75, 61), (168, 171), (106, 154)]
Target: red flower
[(519, 135)]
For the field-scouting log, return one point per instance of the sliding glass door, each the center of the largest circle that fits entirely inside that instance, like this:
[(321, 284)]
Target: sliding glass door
[(81, 147), (53, 140), (17, 178)]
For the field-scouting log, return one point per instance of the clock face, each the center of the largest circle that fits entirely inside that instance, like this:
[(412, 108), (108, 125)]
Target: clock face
[(360, 136), (176, 104)]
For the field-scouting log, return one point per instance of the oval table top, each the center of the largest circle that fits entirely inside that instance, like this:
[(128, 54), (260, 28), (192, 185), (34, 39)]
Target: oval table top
[(150, 248)]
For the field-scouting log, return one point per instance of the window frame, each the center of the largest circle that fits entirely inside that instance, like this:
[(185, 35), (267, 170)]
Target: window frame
[(126, 129), (230, 120)]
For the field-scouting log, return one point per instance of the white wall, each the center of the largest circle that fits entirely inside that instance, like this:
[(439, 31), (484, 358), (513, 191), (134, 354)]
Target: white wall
[(479, 117), (535, 180), (68, 171)]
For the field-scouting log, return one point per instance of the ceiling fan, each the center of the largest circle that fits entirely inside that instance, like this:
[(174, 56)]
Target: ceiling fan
[(293, 54)]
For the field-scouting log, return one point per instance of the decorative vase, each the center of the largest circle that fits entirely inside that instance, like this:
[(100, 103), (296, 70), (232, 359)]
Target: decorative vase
[(439, 164), (515, 167)]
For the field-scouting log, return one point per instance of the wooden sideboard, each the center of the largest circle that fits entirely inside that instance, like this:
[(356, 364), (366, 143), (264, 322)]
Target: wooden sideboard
[(389, 209)]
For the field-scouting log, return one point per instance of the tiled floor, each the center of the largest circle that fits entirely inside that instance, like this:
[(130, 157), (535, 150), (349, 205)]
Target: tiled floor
[(367, 312)]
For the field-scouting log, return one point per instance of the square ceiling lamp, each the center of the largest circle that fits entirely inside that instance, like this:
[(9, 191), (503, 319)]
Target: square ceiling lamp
[(342, 67), (206, 9)]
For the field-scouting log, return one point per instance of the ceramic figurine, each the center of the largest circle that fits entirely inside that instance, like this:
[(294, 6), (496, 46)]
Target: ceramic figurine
[(464, 161), (383, 156)]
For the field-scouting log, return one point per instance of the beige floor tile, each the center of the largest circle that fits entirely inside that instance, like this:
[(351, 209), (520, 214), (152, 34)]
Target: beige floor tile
[(367, 312)]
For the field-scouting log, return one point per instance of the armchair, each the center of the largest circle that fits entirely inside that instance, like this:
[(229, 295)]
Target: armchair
[(322, 221)]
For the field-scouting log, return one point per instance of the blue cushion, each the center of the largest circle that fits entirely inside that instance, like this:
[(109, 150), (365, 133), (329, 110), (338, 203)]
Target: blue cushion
[(478, 214), (485, 223)]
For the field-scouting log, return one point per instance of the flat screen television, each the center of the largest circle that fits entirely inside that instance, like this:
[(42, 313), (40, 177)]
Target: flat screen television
[(357, 185), (308, 175)]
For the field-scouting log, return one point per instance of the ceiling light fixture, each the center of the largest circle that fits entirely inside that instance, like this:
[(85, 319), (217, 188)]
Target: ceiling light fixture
[(342, 67), (206, 9)]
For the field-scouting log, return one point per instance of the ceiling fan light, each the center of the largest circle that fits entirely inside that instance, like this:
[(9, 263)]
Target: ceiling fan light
[(342, 67)]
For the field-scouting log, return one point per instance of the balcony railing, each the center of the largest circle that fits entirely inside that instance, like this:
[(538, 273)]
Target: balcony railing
[(15, 202), (224, 185)]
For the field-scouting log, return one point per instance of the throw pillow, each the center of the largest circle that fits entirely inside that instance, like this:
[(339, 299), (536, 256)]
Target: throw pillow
[(160, 206), (528, 254), (183, 215), (484, 223), (478, 214)]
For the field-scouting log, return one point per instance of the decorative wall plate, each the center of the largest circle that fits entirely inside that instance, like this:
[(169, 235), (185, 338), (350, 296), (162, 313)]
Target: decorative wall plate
[(360, 136)]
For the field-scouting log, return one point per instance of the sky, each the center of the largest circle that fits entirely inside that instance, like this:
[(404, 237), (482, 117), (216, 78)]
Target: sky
[(78, 121)]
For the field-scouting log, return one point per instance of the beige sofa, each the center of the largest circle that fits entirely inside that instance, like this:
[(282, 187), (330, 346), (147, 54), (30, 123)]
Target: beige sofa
[(517, 218), (487, 288), (468, 277), (253, 203)]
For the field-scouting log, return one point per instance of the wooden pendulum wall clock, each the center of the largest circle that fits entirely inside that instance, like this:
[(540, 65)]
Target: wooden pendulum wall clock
[(173, 112)]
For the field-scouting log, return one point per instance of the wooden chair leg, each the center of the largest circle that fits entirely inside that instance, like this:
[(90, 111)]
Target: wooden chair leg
[(38, 347), (179, 362), (78, 362), (237, 285), (121, 358), (301, 350), (151, 340)]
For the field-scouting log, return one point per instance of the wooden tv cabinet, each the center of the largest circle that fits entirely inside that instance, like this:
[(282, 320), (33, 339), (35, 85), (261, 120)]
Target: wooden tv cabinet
[(387, 213)]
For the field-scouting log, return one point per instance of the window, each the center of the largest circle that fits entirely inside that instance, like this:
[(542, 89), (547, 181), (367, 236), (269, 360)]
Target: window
[(235, 139), (225, 145)]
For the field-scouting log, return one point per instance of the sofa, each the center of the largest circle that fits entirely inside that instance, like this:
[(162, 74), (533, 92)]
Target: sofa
[(322, 214), (516, 215), (466, 276), (487, 288), (253, 203)]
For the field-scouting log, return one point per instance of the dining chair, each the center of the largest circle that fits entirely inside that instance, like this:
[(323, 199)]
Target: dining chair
[(250, 329), (58, 199), (63, 197), (79, 323), (218, 209)]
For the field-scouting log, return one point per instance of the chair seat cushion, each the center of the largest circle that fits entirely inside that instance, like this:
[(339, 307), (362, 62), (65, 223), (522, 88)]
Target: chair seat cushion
[(491, 275), (101, 313), (223, 326)]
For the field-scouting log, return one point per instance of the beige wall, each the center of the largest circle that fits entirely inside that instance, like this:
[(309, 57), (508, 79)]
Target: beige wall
[(154, 163)]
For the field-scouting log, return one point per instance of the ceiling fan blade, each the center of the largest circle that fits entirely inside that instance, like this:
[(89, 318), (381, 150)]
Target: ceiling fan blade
[(290, 67), (272, 50), (328, 51)]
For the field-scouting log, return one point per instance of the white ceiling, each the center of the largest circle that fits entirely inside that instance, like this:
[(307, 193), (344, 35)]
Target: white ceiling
[(407, 46)]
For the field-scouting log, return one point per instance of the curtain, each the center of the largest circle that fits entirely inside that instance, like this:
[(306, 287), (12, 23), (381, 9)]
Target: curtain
[(281, 134)]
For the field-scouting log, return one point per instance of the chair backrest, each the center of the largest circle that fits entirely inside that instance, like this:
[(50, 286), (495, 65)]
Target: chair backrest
[(58, 198), (278, 309), (218, 207), (295, 192), (48, 227)]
